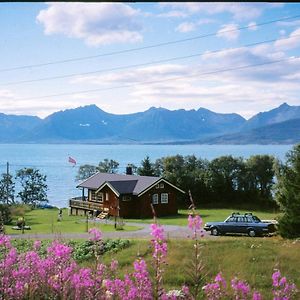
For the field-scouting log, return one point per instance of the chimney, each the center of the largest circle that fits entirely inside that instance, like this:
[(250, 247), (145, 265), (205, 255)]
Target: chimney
[(129, 169)]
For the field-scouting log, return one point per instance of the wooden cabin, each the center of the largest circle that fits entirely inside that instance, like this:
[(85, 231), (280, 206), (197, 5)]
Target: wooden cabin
[(127, 196)]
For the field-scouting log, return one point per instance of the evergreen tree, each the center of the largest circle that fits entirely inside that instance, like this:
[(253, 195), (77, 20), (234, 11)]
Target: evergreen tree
[(34, 187), (288, 193), (146, 168), (7, 189)]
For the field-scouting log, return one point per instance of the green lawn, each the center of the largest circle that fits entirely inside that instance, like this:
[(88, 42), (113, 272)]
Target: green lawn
[(207, 215), (45, 221), (250, 259)]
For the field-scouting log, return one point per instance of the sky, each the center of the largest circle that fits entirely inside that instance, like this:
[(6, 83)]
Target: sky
[(127, 57)]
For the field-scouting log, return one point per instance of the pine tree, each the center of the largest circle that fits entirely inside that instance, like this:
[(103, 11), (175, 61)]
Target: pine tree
[(288, 194), (147, 168), (7, 189)]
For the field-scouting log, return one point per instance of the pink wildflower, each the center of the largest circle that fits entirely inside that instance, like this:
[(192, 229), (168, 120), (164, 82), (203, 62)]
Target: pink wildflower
[(257, 296), (37, 245), (96, 234)]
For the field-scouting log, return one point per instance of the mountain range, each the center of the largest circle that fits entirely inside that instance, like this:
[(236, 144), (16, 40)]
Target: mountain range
[(90, 124)]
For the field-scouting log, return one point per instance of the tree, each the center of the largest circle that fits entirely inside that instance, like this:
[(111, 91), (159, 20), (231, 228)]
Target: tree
[(146, 168), (86, 171), (34, 187), (261, 168), (108, 166), (288, 193), (7, 189)]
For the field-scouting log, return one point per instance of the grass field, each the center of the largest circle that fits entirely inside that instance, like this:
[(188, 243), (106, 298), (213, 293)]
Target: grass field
[(207, 215), (252, 260), (45, 221)]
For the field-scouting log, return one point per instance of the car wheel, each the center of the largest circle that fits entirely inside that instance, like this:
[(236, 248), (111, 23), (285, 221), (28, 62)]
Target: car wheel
[(214, 231), (251, 232)]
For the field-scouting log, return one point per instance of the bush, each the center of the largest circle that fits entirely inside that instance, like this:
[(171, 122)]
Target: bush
[(5, 214)]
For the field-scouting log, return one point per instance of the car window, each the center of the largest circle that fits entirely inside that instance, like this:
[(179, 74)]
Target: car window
[(249, 219), (231, 219), (256, 219), (241, 219)]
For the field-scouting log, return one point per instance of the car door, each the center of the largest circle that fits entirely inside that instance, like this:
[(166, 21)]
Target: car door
[(243, 225), (230, 224)]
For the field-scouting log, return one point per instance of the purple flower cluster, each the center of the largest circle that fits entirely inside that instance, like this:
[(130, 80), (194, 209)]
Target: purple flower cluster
[(282, 289), (195, 224)]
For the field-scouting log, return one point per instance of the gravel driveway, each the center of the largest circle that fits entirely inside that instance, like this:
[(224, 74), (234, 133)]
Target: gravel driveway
[(171, 231)]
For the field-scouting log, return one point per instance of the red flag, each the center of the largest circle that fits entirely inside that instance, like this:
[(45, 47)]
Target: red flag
[(72, 160)]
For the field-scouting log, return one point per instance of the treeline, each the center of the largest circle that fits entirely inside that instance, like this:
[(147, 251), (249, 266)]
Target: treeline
[(226, 181)]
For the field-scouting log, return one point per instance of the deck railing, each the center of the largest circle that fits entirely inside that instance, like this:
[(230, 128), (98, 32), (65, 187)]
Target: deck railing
[(79, 203)]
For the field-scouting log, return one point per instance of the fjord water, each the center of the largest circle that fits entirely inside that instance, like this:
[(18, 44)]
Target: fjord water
[(52, 159)]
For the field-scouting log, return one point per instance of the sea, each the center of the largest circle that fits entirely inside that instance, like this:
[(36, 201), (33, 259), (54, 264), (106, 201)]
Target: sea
[(52, 160)]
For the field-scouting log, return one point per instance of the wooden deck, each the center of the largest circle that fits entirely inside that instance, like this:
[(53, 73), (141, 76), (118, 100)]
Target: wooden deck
[(79, 203)]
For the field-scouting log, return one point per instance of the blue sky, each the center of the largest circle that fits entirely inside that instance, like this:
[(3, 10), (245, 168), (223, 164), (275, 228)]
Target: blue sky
[(38, 33)]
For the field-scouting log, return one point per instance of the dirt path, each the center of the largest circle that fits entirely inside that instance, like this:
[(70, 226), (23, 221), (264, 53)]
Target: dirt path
[(171, 231)]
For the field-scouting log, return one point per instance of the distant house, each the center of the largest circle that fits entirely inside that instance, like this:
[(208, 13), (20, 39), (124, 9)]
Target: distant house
[(127, 196)]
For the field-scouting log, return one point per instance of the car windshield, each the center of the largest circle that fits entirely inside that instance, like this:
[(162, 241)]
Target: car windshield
[(256, 219)]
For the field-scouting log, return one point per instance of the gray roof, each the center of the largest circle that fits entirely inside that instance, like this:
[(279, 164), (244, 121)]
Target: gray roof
[(124, 184)]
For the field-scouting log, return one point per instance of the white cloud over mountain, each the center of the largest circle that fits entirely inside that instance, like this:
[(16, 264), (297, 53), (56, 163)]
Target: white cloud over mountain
[(229, 32), (95, 23)]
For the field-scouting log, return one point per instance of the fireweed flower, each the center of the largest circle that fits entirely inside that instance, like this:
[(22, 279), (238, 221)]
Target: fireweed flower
[(257, 296), (282, 289), (159, 255), (215, 290), (96, 235), (195, 224), (4, 241), (37, 245), (241, 289)]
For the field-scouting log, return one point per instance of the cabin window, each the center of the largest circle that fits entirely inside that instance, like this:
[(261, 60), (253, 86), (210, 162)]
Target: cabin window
[(106, 196), (161, 185), (157, 186), (100, 197), (155, 199), (164, 198), (126, 198), (93, 196)]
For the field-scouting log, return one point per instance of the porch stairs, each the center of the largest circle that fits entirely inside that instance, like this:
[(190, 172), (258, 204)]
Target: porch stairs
[(102, 215)]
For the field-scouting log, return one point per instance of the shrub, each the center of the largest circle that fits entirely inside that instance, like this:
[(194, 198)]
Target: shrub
[(5, 213)]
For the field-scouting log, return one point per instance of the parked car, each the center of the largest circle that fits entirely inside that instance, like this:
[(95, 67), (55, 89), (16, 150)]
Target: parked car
[(242, 223)]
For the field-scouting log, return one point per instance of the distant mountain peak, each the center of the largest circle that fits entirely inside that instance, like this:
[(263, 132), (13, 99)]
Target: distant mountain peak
[(284, 105)]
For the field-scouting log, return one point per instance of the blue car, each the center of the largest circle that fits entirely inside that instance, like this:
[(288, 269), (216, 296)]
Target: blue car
[(243, 224)]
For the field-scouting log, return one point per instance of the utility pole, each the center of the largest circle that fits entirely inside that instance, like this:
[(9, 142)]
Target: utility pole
[(7, 182)]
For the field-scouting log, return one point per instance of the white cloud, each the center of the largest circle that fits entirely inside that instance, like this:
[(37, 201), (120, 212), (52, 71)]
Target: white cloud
[(240, 11), (186, 27), (95, 23), (179, 86), (289, 23), (192, 26), (172, 14), (291, 42), (252, 26), (229, 32), (6, 94)]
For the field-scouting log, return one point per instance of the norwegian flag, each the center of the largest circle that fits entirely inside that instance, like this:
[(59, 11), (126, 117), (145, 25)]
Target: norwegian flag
[(72, 160)]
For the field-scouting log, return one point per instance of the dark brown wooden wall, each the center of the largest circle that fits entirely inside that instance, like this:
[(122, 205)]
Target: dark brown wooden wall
[(161, 209), (139, 207)]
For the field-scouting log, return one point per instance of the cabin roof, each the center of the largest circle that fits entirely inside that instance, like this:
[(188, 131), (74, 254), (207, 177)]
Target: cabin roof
[(123, 184)]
